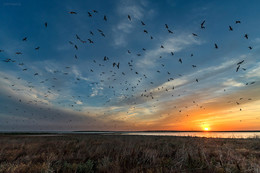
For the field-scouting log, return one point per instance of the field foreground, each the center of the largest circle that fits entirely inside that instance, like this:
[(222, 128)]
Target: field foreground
[(115, 153)]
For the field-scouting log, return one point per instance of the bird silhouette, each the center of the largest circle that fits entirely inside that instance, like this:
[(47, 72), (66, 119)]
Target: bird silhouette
[(45, 24), (142, 23), (194, 34), (216, 46), (129, 17), (230, 28), (237, 68), (116, 64), (105, 18), (73, 12), (90, 41), (240, 62), (180, 60), (202, 25), (246, 36), (25, 39), (238, 21)]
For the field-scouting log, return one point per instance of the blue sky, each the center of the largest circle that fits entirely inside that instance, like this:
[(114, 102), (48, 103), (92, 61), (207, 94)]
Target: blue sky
[(50, 89)]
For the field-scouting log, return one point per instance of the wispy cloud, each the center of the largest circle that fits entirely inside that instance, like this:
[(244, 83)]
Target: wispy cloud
[(136, 9), (173, 44)]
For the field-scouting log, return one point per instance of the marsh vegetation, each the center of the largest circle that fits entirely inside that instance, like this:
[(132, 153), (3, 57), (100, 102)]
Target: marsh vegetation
[(115, 153)]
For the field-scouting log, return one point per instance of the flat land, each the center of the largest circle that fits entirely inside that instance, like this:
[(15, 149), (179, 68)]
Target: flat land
[(116, 153)]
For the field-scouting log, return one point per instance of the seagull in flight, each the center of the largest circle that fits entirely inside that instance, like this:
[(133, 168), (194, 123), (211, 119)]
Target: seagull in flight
[(129, 17), (73, 12), (202, 25)]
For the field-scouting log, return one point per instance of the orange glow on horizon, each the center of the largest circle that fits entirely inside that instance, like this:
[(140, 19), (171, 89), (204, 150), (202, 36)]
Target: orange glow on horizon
[(206, 129)]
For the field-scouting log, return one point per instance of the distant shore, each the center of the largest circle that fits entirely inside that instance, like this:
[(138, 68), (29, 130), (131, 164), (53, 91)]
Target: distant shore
[(207, 134), (117, 153)]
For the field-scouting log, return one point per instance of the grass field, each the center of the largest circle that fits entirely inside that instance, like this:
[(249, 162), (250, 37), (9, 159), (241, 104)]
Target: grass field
[(115, 153)]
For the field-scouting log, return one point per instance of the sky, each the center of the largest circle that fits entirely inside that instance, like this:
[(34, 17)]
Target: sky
[(151, 65)]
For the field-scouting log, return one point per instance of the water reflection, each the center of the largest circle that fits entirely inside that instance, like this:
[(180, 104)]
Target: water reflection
[(201, 134)]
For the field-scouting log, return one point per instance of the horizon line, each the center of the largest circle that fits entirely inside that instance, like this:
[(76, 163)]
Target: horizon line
[(121, 131)]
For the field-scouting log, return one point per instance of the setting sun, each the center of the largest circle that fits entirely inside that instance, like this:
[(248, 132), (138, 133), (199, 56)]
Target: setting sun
[(206, 129)]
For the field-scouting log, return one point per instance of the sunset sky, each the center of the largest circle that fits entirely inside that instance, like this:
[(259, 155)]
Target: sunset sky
[(168, 78)]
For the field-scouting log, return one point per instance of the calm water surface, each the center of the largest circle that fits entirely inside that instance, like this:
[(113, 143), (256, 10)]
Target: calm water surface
[(201, 134)]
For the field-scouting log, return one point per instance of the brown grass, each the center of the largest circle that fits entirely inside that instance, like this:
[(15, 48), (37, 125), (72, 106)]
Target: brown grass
[(115, 153)]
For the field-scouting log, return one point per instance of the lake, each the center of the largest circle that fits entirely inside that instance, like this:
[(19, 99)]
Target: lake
[(200, 134), (192, 134)]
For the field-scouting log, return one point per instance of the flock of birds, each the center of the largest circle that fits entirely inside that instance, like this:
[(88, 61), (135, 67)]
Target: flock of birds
[(129, 90)]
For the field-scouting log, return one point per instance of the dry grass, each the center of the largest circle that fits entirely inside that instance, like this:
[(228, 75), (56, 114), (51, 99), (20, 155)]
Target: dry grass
[(105, 153)]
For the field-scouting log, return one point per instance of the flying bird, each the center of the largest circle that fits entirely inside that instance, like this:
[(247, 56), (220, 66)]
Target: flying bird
[(237, 68), (216, 46), (25, 39), (142, 23), (106, 58), (105, 18), (240, 62), (90, 41), (180, 60), (195, 35), (45, 24), (230, 28), (116, 64), (73, 12), (238, 21), (129, 17), (246, 36), (202, 25)]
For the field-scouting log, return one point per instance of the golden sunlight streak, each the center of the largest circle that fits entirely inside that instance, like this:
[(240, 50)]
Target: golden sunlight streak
[(206, 129)]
